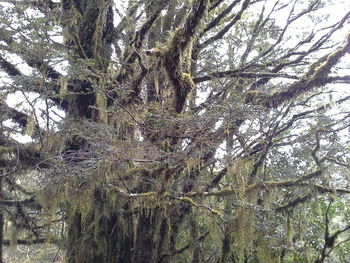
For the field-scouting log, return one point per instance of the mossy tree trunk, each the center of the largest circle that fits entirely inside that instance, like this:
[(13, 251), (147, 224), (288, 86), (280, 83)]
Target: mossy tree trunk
[(128, 236), (1, 216)]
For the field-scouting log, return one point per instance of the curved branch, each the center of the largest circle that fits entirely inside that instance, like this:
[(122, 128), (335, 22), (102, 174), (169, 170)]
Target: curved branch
[(316, 76)]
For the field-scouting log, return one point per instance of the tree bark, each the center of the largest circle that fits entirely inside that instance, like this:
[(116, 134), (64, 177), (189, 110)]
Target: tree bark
[(1, 218)]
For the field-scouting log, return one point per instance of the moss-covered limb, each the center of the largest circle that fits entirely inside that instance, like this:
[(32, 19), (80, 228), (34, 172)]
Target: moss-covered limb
[(216, 180), (188, 200), (287, 183), (14, 203), (9, 68), (242, 74), (212, 24), (282, 63), (228, 191), (16, 116), (324, 190), (339, 79), (28, 242), (193, 21), (215, 4), (308, 176), (145, 28), (294, 203), (184, 248), (226, 29), (317, 76), (124, 194), (137, 41), (174, 53)]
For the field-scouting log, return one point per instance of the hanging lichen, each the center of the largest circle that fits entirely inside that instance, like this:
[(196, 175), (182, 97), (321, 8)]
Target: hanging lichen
[(236, 172), (30, 126), (290, 229), (13, 230), (263, 254), (63, 85), (101, 103), (243, 225)]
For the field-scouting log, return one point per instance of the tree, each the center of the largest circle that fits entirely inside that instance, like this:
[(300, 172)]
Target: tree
[(175, 131)]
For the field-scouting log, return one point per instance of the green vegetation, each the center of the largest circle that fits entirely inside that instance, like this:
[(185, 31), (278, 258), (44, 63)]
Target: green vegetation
[(172, 131)]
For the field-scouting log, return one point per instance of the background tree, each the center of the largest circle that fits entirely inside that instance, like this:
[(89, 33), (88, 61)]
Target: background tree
[(175, 131)]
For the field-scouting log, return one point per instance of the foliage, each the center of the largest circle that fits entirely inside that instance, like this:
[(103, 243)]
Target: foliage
[(174, 131)]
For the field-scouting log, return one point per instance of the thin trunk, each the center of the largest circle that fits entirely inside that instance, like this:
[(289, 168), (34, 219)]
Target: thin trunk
[(1, 219)]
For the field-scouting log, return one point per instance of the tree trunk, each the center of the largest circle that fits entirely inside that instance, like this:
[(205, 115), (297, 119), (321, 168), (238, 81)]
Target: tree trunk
[(118, 238), (1, 218)]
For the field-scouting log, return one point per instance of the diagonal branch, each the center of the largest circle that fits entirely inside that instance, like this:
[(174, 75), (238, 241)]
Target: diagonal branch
[(13, 114), (316, 76), (9, 68), (242, 74), (223, 31)]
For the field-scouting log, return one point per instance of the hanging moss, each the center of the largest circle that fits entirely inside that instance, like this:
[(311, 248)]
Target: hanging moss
[(13, 232), (30, 126), (101, 103), (290, 228), (63, 86)]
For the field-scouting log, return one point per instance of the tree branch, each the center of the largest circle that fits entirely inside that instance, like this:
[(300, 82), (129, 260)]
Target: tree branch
[(315, 77), (223, 31), (242, 74), (9, 68)]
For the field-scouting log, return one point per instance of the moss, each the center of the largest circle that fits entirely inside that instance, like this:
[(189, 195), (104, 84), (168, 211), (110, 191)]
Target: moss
[(263, 254), (187, 79), (101, 103), (188, 200), (30, 126), (290, 228), (6, 150), (63, 86)]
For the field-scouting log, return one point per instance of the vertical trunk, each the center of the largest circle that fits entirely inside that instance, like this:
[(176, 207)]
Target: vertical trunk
[(1, 219), (118, 238), (112, 234), (101, 238)]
